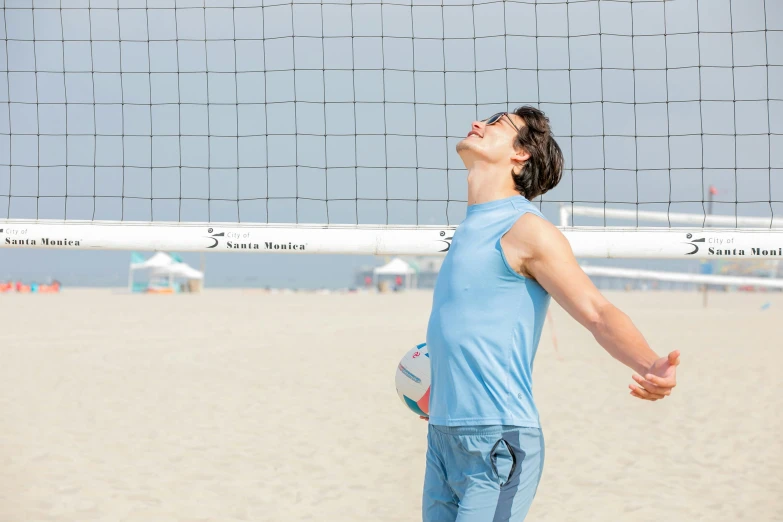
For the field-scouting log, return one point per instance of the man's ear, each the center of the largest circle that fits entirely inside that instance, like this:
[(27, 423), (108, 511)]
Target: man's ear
[(520, 157)]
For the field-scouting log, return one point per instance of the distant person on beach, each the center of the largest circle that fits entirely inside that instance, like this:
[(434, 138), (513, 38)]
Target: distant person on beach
[(485, 451)]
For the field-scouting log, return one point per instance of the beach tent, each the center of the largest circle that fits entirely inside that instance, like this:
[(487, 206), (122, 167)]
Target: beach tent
[(157, 261), (396, 267), (163, 266), (179, 270)]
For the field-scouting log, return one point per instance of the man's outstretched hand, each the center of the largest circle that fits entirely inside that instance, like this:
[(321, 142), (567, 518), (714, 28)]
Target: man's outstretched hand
[(659, 379)]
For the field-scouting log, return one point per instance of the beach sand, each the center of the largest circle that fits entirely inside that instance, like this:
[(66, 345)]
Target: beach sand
[(242, 405)]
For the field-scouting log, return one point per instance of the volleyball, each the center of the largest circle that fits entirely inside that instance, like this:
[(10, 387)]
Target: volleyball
[(413, 380)]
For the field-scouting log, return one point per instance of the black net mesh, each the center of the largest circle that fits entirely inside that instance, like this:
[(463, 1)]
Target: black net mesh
[(338, 112)]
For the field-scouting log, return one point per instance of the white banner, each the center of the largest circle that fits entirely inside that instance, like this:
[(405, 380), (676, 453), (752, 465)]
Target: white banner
[(379, 240)]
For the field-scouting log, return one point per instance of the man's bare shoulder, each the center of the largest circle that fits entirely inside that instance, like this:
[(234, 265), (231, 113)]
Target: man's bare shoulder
[(531, 237), (533, 232)]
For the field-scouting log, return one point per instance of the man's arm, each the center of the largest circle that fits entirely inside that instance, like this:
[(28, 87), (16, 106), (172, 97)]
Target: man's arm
[(545, 255)]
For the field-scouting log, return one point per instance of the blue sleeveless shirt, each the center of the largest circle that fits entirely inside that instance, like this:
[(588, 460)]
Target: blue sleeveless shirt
[(485, 325)]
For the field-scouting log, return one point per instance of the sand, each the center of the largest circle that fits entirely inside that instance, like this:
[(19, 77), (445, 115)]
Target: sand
[(241, 405)]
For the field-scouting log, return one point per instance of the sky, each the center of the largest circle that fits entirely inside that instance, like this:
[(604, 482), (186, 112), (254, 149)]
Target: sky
[(305, 112)]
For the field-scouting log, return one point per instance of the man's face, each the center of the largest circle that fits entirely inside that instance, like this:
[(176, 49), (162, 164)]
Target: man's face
[(492, 143)]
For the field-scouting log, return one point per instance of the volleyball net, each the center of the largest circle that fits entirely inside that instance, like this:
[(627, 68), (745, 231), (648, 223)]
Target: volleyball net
[(330, 127)]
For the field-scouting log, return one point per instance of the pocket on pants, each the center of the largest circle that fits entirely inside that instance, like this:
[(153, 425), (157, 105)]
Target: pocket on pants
[(503, 461)]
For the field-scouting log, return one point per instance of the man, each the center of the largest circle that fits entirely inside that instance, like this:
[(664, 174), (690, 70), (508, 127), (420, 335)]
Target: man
[(485, 449)]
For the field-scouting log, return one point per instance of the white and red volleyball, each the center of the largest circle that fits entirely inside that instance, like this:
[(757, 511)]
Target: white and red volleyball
[(413, 380)]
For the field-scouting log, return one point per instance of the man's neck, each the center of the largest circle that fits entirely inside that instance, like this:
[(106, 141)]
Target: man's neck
[(484, 187)]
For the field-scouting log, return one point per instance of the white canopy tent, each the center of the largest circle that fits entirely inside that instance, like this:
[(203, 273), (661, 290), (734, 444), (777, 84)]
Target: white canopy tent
[(157, 261), (163, 266), (180, 270), (396, 267)]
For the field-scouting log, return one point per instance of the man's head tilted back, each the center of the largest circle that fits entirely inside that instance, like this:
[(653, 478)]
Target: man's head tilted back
[(519, 147)]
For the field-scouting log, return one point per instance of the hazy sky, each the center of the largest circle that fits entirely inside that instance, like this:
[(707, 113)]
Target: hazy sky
[(219, 114)]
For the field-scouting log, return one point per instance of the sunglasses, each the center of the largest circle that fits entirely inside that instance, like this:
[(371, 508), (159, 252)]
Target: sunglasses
[(496, 118)]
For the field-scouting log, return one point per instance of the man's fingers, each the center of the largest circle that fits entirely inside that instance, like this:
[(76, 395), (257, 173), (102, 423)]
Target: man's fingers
[(660, 381), (635, 394), (674, 358), (652, 386), (644, 394)]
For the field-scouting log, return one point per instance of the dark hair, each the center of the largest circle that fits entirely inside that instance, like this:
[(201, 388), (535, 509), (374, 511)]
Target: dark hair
[(544, 169)]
